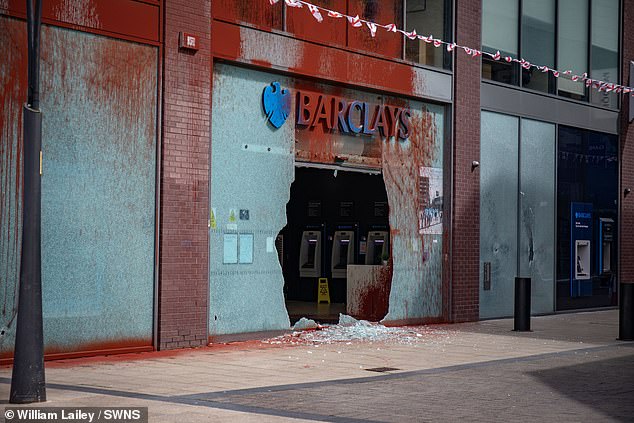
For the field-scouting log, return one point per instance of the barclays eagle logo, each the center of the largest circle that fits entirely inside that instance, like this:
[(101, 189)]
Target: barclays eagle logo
[(277, 104)]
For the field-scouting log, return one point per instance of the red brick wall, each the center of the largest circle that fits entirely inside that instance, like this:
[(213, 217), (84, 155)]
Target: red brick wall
[(183, 271), (465, 266), (627, 155)]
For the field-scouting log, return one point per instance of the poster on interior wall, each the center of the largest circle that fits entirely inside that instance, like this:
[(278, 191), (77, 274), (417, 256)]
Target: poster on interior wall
[(430, 197)]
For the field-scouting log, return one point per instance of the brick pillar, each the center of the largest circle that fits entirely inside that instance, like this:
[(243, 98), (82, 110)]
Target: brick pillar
[(626, 159), (184, 238), (465, 266)]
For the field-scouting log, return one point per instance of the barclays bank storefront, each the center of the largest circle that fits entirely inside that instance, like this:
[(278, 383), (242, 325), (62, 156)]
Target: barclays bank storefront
[(315, 181)]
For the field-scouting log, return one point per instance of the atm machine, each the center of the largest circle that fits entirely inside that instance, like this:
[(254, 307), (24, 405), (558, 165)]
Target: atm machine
[(378, 246), (310, 254), (342, 253), (581, 246)]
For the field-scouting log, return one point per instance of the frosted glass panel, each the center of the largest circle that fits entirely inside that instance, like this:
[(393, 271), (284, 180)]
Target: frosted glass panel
[(605, 49), (573, 43), (498, 212), (537, 211), (499, 26)]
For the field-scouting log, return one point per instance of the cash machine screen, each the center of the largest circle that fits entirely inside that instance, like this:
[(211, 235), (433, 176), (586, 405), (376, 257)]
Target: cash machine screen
[(378, 251), (343, 254), (310, 263)]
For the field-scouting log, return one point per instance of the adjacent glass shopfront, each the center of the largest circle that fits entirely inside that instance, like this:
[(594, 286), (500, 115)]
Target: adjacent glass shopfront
[(548, 211)]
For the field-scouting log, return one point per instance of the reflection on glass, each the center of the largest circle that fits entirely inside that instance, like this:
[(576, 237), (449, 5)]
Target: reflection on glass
[(587, 172), (500, 32), (605, 49), (428, 17), (572, 46), (538, 43)]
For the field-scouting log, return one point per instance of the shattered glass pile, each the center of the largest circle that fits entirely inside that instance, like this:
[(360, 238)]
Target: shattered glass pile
[(349, 330)]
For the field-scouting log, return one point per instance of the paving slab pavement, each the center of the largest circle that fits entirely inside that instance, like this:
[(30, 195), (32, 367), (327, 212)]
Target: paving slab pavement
[(569, 368)]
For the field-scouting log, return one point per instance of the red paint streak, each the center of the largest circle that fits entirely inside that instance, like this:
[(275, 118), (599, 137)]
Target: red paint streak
[(262, 15), (384, 43), (12, 95), (372, 299), (303, 25), (125, 17), (130, 354), (227, 42), (87, 350), (317, 61)]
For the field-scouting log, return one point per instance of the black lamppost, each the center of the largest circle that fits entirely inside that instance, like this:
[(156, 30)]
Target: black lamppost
[(27, 382)]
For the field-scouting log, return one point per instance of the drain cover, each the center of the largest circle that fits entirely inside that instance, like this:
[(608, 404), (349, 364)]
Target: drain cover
[(382, 369)]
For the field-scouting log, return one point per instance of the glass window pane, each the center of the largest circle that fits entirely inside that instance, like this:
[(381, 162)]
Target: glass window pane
[(572, 45), (428, 17), (500, 20), (605, 49), (498, 212), (499, 26), (538, 42), (587, 173), (537, 211)]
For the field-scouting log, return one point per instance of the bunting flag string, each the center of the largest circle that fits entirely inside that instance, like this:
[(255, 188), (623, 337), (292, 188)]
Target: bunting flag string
[(357, 22)]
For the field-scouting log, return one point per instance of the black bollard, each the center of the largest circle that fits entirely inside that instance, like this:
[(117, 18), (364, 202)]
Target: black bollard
[(626, 312), (522, 316)]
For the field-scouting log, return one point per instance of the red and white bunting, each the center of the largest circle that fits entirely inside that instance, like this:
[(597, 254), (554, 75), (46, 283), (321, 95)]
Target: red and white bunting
[(390, 27), (372, 27), (293, 3), (411, 35), (314, 10), (357, 22)]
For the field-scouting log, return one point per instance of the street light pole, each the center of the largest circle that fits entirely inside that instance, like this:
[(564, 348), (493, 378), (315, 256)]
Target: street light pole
[(27, 381)]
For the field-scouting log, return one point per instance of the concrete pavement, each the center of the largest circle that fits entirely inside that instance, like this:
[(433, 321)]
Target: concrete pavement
[(569, 368)]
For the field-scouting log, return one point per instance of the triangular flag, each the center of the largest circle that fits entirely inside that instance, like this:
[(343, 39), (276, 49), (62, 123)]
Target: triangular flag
[(356, 21), (372, 27), (315, 12), (411, 35), (390, 27), (334, 14), (293, 3)]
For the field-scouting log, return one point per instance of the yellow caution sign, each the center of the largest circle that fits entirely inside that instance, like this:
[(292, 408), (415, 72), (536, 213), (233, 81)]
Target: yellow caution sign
[(212, 219), (323, 294)]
